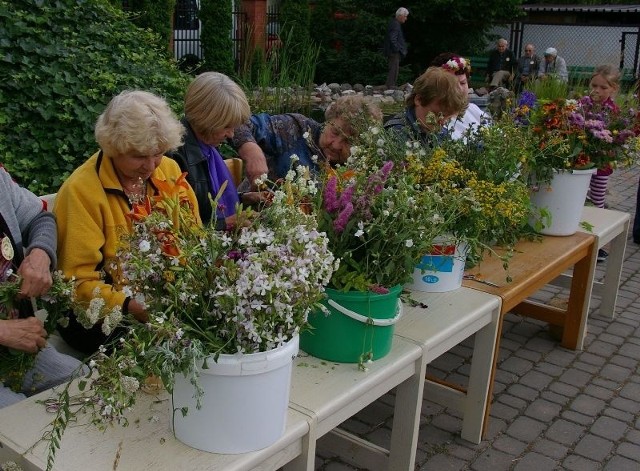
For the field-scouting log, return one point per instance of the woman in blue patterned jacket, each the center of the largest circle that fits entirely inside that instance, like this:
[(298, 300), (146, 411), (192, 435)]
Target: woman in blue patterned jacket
[(266, 143)]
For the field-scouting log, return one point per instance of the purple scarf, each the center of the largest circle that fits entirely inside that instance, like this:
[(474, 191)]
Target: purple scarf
[(218, 174)]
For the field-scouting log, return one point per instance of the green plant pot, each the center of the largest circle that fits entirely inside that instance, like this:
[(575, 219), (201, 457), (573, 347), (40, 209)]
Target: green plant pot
[(360, 323)]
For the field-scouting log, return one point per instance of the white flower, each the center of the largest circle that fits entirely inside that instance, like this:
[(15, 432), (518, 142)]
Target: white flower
[(408, 243), (375, 130), (144, 246), (360, 231)]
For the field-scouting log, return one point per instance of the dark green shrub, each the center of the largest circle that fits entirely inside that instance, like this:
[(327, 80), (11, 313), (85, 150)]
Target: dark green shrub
[(155, 15), (61, 62), (215, 36)]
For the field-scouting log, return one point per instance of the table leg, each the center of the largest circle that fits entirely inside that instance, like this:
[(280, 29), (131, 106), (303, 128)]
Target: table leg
[(575, 322), (480, 386), (406, 419), (613, 273)]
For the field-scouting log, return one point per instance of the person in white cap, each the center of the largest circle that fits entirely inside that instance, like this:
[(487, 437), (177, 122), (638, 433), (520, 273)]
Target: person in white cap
[(553, 65)]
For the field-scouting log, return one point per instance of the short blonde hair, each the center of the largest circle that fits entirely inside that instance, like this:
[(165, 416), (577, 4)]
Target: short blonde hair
[(214, 102), (138, 122), (355, 111), (438, 85)]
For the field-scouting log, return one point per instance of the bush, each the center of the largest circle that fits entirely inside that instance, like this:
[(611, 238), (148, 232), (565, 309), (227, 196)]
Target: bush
[(61, 64)]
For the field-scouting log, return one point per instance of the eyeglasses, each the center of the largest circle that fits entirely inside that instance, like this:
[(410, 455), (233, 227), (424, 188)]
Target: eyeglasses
[(528, 50)]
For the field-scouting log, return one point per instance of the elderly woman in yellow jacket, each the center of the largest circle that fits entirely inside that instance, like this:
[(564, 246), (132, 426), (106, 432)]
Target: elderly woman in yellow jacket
[(134, 133)]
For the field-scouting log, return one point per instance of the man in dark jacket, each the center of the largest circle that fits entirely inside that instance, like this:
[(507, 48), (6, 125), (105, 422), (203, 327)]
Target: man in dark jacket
[(395, 47), (527, 69), (501, 65)]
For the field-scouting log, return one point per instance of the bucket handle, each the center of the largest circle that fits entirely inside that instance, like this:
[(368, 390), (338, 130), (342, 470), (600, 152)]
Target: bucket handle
[(365, 319)]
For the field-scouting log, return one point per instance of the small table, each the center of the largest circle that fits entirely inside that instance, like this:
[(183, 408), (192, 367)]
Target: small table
[(449, 319), (330, 393), (534, 265), (609, 227), (147, 443)]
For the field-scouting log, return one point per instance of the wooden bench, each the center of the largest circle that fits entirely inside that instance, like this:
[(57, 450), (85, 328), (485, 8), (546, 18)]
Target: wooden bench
[(580, 75), (479, 66)]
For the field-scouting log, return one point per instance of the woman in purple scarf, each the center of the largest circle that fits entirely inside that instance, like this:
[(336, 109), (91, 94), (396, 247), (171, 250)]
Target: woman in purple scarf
[(214, 105)]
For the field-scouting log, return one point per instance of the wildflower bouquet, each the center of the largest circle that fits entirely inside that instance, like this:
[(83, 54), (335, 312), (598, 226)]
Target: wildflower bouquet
[(378, 220), (577, 134), (493, 211), (51, 308), (206, 292)]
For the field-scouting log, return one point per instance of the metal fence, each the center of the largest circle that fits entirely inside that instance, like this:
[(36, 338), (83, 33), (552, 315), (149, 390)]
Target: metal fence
[(579, 45), (187, 27)]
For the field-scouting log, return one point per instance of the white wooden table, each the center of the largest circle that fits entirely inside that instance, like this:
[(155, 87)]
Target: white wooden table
[(146, 444), (449, 319), (330, 393), (609, 227), (333, 392), (323, 395)]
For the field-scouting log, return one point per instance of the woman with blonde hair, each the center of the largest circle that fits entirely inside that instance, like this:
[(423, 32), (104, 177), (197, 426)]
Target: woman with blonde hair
[(134, 132), (213, 106)]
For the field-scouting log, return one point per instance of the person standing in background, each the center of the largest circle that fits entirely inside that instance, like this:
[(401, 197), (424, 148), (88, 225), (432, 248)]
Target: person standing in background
[(395, 46), (501, 65), (527, 68)]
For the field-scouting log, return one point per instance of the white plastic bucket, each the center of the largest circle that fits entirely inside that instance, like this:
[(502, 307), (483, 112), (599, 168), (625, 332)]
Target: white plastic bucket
[(245, 402), (442, 270), (563, 198)]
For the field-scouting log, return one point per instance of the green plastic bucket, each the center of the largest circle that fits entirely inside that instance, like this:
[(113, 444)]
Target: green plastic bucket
[(359, 323)]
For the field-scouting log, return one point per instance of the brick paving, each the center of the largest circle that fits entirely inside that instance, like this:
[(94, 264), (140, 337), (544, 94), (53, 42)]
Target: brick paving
[(553, 408)]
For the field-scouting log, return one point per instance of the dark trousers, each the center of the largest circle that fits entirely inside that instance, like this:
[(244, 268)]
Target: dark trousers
[(636, 220), (394, 68)]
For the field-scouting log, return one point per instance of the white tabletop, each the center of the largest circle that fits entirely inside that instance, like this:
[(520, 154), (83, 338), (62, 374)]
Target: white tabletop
[(146, 444)]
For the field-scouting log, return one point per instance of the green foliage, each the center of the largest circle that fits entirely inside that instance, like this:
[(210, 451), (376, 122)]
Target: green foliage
[(155, 15), (215, 36), (295, 22), (280, 82), (352, 40), (61, 64)]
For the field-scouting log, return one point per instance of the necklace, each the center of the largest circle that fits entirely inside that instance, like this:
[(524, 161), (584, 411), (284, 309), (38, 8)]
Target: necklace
[(137, 192)]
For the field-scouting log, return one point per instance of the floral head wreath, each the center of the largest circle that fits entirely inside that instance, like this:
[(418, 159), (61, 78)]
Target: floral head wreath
[(458, 65)]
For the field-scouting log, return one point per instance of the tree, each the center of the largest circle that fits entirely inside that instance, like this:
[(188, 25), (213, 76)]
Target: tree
[(215, 37), (61, 64), (352, 32)]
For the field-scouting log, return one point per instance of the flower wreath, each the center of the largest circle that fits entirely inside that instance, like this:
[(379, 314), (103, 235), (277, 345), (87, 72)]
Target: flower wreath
[(458, 65)]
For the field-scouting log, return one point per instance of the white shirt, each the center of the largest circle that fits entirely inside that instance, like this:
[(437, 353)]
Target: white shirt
[(473, 117)]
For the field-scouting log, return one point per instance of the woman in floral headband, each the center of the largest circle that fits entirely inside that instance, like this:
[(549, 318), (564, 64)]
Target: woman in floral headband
[(473, 116)]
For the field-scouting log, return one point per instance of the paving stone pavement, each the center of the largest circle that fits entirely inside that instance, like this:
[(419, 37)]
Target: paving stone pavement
[(553, 408)]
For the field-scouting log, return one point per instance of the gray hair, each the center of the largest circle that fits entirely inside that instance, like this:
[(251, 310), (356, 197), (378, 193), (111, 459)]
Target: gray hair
[(502, 41), (138, 122), (402, 11)]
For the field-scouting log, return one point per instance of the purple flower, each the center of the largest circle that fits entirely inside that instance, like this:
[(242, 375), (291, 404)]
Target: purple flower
[(378, 289), (594, 125), (527, 98), (602, 134), (330, 194), (346, 196), (343, 218)]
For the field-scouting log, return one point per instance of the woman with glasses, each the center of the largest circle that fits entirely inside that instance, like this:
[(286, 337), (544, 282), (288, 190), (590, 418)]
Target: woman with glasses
[(267, 143)]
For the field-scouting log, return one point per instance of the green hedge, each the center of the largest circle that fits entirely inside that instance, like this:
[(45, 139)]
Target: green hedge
[(61, 62)]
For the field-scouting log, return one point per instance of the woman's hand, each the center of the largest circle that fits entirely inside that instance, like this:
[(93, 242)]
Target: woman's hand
[(257, 197), (35, 273), (138, 311), (27, 334)]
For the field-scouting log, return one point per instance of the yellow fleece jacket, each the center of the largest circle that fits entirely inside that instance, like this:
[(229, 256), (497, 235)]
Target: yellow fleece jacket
[(90, 208)]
